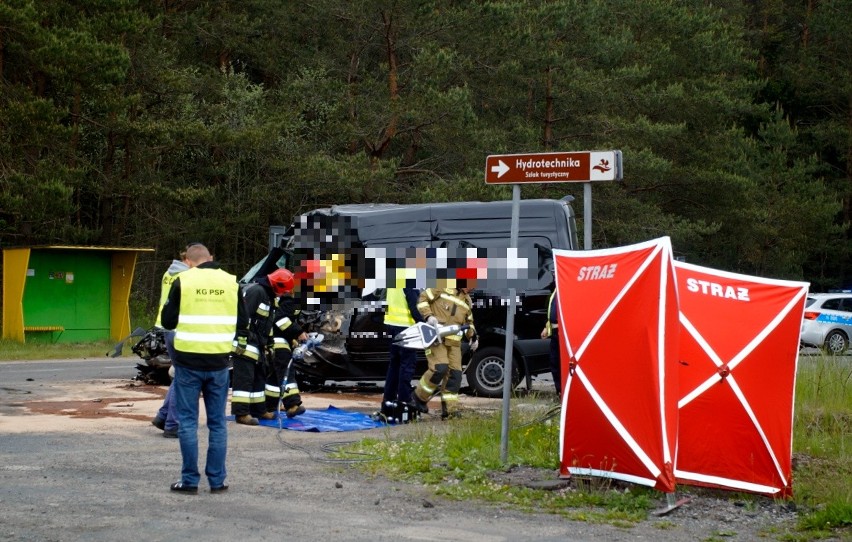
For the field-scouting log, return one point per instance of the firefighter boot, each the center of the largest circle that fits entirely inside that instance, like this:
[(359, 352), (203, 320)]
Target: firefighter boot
[(245, 419), (269, 416), (291, 402), (447, 413), (418, 404), (295, 410)]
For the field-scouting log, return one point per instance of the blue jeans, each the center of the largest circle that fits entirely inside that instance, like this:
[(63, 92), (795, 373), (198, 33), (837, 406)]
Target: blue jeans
[(167, 411), (213, 386)]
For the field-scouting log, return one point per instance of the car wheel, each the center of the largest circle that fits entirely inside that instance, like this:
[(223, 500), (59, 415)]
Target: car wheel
[(485, 372), (836, 343)]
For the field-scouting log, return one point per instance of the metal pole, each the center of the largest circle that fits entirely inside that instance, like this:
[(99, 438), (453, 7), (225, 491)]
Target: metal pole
[(510, 334)]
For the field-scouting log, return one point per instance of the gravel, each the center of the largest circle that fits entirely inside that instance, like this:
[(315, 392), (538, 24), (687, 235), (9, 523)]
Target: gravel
[(70, 471)]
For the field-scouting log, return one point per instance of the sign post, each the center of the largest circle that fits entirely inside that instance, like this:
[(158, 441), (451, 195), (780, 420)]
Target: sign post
[(558, 167), (551, 167)]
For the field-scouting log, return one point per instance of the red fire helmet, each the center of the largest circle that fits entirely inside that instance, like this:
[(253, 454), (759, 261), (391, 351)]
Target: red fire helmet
[(281, 281)]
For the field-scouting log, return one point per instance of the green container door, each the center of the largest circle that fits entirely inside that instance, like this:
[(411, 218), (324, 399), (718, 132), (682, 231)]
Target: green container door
[(69, 289)]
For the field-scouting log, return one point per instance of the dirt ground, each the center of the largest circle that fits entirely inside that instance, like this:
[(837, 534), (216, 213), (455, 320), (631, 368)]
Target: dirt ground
[(81, 461)]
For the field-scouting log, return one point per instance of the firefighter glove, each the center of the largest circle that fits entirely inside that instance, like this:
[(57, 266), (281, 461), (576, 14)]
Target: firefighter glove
[(474, 344), (432, 321), (240, 345)]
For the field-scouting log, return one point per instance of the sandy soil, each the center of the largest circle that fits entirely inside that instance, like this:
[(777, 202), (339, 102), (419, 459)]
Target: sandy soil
[(108, 403)]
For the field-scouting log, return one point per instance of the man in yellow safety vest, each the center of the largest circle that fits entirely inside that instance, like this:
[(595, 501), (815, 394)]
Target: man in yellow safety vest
[(203, 307)]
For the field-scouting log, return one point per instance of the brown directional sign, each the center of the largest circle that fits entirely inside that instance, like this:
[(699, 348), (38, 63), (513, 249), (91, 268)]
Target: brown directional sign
[(553, 167)]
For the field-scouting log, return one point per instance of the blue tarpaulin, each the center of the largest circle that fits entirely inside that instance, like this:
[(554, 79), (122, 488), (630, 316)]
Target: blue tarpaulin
[(318, 421)]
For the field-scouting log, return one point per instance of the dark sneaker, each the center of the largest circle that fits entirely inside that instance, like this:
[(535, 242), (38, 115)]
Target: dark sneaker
[(180, 487), (221, 489), (246, 420), (170, 433), (159, 423)]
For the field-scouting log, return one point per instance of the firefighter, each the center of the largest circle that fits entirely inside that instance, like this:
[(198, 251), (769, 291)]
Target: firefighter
[(551, 331), (442, 307), (251, 348), (402, 313), (286, 332)]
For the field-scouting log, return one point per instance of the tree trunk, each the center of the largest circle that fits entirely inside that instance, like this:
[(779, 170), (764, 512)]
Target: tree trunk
[(547, 141), (393, 88)]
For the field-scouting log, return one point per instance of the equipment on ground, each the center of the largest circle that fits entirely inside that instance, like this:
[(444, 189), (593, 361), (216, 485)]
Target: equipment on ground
[(396, 412), (421, 335)]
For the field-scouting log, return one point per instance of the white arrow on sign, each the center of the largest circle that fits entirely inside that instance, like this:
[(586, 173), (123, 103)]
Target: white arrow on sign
[(500, 169)]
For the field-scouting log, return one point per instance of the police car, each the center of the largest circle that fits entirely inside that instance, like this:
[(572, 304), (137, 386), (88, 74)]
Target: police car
[(827, 322)]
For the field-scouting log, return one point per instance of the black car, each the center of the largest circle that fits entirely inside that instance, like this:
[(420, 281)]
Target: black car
[(356, 344)]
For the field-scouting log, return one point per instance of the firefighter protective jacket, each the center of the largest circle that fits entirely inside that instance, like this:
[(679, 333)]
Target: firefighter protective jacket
[(450, 306), (260, 305), (286, 328)]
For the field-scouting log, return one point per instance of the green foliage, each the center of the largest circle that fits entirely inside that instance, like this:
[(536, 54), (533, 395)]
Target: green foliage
[(130, 123), (821, 440), (16, 351), (834, 516)]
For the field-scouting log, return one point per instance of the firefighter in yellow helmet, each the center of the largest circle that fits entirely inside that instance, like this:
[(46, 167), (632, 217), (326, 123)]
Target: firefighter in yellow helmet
[(443, 307)]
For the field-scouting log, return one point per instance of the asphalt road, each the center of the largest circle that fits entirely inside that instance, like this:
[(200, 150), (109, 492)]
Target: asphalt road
[(108, 479), (19, 372)]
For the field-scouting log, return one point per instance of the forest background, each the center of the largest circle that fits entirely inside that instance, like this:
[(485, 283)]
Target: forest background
[(142, 123)]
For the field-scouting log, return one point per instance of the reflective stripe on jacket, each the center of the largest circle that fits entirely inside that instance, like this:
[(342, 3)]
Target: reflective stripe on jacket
[(552, 319), (208, 311)]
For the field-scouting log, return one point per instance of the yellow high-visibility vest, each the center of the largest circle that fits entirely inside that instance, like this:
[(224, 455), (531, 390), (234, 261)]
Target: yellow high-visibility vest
[(207, 321), (398, 312), (165, 288)]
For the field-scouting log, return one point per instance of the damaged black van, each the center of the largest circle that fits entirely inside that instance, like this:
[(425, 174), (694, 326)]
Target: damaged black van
[(356, 346)]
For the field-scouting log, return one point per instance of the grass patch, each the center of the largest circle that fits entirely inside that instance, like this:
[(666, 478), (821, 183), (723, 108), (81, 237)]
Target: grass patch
[(464, 462), (460, 460), (821, 443), (13, 350)]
